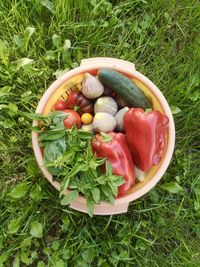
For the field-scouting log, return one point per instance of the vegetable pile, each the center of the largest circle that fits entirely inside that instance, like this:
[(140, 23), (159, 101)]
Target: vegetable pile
[(103, 139)]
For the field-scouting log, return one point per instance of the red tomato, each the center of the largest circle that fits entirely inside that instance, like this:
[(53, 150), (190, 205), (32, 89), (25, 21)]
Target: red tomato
[(72, 118), (76, 99), (60, 105)]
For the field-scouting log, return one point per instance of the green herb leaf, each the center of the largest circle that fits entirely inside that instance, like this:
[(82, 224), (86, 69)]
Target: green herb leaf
[(110, 199), (90, 206), (108, 168), (58, 116), (52, 135), (83, 135), (64, 185), (101, 180), (71, 196), (74, 170), (53, 150), (107, 190), (119, 180), (114, 188), (96, 194)]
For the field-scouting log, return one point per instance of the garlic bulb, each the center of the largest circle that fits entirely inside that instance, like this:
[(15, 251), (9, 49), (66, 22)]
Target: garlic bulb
[(91, 87), (119, 117), (106, 104), (104, 122)]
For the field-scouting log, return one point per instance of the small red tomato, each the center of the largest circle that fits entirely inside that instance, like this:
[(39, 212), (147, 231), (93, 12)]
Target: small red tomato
[(60, 105), (72, 118)]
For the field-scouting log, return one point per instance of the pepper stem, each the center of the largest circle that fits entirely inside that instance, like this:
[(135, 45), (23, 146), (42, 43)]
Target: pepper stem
[(106, 137), (76, 108)]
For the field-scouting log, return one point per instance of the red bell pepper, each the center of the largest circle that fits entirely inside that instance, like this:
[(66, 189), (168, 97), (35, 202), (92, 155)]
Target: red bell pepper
[(77, 101), (117, 153), (145, 134)]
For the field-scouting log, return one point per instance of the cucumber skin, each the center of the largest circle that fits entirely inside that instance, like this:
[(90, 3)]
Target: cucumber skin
[(124, 87)]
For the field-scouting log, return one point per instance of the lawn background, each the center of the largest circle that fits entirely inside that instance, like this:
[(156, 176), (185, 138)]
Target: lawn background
[(38, 40)]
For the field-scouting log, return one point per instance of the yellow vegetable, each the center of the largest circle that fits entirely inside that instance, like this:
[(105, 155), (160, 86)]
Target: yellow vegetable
[(86, 118)]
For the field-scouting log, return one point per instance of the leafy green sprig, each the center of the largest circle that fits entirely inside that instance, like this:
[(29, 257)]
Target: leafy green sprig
[(69, 157)]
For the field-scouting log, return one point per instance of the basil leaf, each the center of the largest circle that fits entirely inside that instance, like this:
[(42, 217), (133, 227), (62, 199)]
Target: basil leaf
[(108, 168), (83, 135), (96, 194), (69, 198), (64, 184), (90, 206), (66, 159), (93, 164), (74, 170), (89, 153), (58, 115), (101, 180), (110, 199), (52, 151), (107, 190), (114, 188), (119, 180), (52, 135)]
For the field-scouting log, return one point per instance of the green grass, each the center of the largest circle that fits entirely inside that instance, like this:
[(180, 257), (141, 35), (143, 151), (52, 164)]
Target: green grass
[(162, 39)]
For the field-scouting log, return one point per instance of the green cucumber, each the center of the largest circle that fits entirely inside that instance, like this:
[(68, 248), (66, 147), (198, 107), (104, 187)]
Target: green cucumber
[(125, 87)]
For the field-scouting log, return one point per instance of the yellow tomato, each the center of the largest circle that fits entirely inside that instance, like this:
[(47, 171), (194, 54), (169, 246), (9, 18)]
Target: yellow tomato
[(86, 118)]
